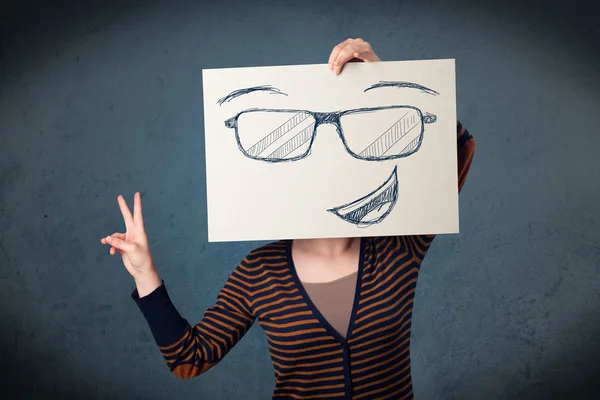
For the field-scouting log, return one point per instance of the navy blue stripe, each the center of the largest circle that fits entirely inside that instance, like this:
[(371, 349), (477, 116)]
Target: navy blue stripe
[(464, 139)]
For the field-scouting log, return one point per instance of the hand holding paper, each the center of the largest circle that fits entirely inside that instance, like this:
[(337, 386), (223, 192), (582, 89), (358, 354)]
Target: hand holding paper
[(349, 50)]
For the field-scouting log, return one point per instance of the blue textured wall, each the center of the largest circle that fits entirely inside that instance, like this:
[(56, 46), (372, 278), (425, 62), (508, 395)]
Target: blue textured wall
[(106, 98)]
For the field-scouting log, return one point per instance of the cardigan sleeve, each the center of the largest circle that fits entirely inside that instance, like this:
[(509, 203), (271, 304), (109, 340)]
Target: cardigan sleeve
[(192, 350)]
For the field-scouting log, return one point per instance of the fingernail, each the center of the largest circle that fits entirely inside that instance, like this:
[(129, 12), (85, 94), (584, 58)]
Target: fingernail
[(108, 239)]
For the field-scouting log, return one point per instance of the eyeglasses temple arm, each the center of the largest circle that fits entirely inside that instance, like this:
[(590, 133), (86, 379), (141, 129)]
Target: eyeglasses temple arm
[(429, 118), (231, 122)]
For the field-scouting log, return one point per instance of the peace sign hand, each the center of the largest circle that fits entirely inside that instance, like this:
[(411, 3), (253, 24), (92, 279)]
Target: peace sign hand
[(134, 247)]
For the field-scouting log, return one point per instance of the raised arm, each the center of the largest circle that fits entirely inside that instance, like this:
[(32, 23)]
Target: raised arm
[(192, 350), (352, 50), (189, 351), (465, 145)]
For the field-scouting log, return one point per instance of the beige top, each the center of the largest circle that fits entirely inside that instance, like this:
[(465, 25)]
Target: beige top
[(334, 300)]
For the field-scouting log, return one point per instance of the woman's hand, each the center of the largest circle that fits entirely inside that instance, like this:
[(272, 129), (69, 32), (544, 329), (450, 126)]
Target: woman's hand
[(351, 50), (134, 248)]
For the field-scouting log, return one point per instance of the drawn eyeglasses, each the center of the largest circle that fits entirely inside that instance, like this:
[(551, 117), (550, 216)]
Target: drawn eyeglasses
[(280, 135)]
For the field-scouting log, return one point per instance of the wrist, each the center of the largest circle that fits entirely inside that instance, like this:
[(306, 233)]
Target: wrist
[(147, 282)]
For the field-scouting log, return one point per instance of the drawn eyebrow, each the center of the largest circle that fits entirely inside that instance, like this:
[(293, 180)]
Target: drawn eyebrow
[(241, 92), (400, 84)]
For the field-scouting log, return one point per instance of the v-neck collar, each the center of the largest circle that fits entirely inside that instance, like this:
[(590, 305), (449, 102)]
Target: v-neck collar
[(357, 292)]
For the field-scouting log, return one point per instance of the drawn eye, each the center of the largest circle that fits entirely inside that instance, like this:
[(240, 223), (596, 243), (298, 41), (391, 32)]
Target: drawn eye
[(277, 135), (373, 207), (392, 133)]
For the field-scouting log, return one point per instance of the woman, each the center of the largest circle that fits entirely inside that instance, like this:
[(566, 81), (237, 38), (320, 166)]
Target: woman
[(337, 312)]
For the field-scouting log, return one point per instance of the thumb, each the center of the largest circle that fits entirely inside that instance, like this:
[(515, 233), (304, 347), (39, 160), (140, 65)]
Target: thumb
[(121, 244)]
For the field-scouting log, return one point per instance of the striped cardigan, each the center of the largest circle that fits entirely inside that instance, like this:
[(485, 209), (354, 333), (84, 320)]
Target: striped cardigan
[(311, 359)]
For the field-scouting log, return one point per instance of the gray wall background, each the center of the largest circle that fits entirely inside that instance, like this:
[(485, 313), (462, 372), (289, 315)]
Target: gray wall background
[(101, 98)]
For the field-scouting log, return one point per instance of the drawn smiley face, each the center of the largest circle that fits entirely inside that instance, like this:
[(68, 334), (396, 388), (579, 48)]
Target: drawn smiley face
[(287, 135)]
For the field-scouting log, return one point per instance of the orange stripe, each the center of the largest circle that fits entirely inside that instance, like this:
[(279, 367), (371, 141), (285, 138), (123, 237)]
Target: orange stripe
[(313, 348), (387, 299), (404, 240), (236, 323), (296, 333), (392, 317), (274, 294), (263, 258), (384, 243), (214, 346), (330, 353), (265, 251), (296, 314), (310, 373), (295, 342), (420, 238), (275, 285), (187, 371), (291, 367), (284, 299), (226, 293), (389, 249), (261, 275), (398, 269), (418, 246), (377, 382), (394, 395), (241, 289), (316, 396), (267, 314), (169, 347), (389, 265), (376, 366), (383, 338), (247, 268), (312, 388), (384, 283), (289, 324), (186, 346), (333, 378), (381, 346), (215, 328), (411, 245)]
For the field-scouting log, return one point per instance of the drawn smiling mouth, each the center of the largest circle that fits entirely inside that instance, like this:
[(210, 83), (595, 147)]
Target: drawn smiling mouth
[(373, 207)]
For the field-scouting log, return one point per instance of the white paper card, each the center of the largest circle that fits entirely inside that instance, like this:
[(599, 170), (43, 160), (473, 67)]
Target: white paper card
[(296, 152)]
